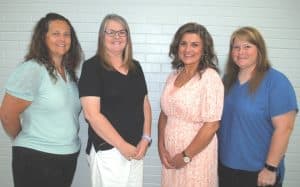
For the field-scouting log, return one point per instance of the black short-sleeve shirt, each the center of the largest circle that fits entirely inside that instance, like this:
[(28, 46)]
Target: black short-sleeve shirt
[(122, 100)]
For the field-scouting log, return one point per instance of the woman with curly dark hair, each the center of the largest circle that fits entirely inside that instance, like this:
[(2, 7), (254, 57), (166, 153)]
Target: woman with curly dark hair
[(41, 106), (191, 103)]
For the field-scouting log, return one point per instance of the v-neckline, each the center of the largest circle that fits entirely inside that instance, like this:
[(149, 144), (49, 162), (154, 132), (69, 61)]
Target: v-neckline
[(122, 74), (185, 84), (241, 85), (65, 78)]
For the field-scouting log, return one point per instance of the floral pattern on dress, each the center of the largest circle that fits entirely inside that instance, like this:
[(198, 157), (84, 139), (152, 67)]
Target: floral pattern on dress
[(187, 108)]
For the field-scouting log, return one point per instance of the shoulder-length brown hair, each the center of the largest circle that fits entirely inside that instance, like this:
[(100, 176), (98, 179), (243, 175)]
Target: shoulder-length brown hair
[(252, 36), (127, 53), (39, 51), (208, 58)]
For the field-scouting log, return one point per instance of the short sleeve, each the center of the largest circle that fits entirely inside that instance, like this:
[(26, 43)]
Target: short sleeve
[(212, 96), (170, 77), (142, 77), (89, 84), (24, 82), (282, 96)]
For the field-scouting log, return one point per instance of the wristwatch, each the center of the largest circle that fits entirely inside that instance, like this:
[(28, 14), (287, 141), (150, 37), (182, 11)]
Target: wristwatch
[(270, 168), (186, 158)]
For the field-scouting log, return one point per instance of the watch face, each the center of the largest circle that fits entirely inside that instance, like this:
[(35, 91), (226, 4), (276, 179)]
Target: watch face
[(186, 159)]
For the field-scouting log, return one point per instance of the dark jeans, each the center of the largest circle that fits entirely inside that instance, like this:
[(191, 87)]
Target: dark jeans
[(32, 168), (229, 177)]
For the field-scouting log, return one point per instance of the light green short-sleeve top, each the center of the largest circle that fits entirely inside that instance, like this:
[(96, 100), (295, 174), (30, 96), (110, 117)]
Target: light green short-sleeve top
[(50, 123)]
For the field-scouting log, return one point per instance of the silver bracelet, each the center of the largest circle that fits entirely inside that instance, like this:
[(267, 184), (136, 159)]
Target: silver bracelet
[(148, 138)]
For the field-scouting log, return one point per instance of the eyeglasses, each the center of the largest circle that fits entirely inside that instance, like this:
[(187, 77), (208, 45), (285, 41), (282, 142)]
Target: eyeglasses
[(113, 33)]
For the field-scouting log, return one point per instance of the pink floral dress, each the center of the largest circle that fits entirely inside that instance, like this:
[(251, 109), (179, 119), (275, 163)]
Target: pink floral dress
[(187, 108)]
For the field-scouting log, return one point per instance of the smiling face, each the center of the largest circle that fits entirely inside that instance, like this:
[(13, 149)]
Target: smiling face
[(58, 39), (244, 54), (115, 38), (190, 49)]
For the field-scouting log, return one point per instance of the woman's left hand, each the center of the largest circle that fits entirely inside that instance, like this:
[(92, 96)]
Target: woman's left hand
[(266, 178), (141, 149), (177, 161)]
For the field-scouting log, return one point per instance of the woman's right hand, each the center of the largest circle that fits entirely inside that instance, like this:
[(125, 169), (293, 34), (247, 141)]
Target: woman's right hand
[(128, 151), (165, 157)]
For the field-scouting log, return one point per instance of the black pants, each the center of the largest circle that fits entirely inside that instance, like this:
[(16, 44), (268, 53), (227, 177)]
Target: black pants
[(239, 178), (32, 168)]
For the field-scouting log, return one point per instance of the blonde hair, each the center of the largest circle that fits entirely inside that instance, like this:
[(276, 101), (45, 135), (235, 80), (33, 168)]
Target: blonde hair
[(127, 53), (252, 36)]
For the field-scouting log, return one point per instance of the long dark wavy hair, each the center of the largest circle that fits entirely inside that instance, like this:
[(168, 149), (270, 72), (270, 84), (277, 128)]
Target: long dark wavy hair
[(252, 36), (39, 51), (101, 51), (208, 58)]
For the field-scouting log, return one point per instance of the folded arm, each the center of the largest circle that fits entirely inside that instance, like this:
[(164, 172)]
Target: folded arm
[(10, 112), (91, 108), (201, 140), (163, 153), (283, 125), (143, 144)]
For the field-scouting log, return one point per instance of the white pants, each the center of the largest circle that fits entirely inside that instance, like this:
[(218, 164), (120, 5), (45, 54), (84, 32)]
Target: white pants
[(110, 168)]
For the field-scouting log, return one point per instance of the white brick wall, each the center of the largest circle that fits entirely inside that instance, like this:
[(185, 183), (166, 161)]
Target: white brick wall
[(153, 23)]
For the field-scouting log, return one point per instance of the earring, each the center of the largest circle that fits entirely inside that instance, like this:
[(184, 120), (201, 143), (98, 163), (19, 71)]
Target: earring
[(203, 58)]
